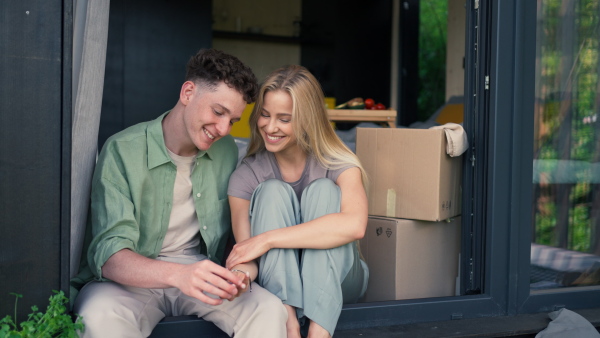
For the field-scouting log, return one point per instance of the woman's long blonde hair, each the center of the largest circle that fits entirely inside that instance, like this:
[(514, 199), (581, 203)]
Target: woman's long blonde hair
[(310, 123)]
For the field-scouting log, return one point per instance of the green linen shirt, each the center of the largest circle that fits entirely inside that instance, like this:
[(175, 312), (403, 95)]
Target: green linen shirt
[(132, 195)]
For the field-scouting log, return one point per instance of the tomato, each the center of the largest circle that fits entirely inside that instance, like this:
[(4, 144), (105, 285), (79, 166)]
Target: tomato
[(369, 103), (380, 106)]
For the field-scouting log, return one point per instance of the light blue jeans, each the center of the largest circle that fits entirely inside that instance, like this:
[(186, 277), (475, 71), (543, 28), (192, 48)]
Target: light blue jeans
[(316, 282)]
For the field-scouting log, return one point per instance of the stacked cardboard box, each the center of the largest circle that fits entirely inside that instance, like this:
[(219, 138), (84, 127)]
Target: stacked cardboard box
[(412, 242), (410, 258), (411, 175)]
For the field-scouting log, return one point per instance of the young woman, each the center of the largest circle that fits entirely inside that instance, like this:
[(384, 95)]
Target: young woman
[(298, 205)]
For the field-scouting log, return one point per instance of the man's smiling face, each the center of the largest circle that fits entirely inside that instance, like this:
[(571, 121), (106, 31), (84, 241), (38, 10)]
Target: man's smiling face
[(209, 113)]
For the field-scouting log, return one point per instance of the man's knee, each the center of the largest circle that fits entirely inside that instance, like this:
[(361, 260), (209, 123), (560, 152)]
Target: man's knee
[(100, 309), (270, 308), (106, 308), (97, 313)]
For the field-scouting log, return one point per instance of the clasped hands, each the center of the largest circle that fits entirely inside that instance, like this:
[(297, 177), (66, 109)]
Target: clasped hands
[(248, 250), (212, 283), (225, 283)]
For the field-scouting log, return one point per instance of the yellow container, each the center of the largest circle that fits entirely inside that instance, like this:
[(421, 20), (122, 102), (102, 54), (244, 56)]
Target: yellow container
[(330, 102), (242, 128)]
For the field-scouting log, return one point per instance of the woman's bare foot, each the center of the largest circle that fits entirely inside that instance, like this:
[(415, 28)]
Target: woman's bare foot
[(292, 324), (317, 331)]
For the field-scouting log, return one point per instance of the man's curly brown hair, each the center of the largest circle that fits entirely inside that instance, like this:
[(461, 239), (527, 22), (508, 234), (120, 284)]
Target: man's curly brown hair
[(210, 66)]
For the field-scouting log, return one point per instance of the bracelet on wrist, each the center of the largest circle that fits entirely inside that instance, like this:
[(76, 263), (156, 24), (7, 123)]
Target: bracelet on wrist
[(247, 275)]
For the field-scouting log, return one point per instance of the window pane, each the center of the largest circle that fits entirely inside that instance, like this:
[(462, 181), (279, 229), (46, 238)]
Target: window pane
[(566, 166)]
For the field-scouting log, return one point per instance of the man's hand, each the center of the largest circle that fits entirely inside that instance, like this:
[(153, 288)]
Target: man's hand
[(246, 282), (206, 276), (129, 268)]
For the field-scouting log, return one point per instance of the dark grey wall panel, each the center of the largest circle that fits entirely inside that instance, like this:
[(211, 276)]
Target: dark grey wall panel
[(408, 77), (30, 151), (318, 42), (347, 46), (149, 43)]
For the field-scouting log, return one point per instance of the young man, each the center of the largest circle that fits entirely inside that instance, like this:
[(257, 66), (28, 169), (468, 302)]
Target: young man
[(160, 217)]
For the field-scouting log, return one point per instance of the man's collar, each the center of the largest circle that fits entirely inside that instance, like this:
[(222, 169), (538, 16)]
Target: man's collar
[(157, 150)]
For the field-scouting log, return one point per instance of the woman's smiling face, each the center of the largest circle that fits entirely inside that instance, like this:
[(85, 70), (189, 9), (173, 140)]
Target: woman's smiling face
[(275, 122)]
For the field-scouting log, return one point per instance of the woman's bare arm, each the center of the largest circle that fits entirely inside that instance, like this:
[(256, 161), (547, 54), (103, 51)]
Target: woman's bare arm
[(325, 232)]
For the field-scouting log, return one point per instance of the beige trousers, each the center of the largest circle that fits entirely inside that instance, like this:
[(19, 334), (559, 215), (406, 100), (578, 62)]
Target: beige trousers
[(113, 310)]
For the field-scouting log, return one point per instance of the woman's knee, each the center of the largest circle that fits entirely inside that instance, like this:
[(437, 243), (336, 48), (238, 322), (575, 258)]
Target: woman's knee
[(273, 193), (320, 197), (321, 187), (273, 204), (322, 183), (273, 188)]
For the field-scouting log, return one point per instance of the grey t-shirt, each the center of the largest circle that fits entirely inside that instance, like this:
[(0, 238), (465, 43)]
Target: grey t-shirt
[(262, 166)]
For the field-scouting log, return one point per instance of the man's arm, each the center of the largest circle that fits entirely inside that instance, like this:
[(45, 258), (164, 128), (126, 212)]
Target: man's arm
[(117, 233), (129, 268)]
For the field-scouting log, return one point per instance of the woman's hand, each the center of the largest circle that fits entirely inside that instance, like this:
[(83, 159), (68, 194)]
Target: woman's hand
[(248, 250), (246, 282)]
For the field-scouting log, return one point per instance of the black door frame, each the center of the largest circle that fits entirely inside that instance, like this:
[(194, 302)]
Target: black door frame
[(499, 87), (498, 95), (500, 122)]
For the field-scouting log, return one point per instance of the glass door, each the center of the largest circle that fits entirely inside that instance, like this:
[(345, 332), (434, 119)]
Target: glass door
[(565, 245)]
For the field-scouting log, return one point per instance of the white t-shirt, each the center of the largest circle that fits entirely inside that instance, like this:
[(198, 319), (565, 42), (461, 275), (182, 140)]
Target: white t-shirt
[(183, 232)]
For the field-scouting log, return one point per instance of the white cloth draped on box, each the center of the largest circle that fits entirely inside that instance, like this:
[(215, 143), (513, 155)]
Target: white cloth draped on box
[(457, 139)]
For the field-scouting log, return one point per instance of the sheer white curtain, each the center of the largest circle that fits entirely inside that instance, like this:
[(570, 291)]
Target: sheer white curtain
[(90, 35)]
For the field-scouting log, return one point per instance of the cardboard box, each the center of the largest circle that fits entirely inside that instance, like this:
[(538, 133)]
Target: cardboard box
[(410, 259), (411, 176)]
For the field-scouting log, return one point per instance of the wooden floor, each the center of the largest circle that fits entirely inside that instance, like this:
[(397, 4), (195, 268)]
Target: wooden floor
[(520, 326)]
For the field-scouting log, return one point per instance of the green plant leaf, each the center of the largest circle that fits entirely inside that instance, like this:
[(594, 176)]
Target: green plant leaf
[(55, 322)]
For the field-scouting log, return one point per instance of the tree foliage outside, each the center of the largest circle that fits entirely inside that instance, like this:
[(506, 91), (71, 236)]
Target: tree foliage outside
[(567, 130), (432, 56)]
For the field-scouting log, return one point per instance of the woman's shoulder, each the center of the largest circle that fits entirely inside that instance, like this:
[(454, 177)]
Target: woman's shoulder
[(330, 164), (332, 169)]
